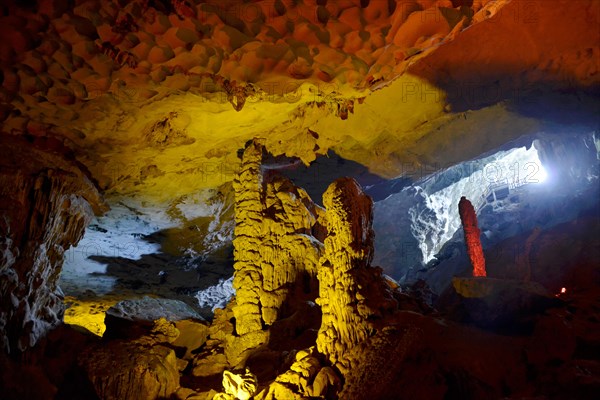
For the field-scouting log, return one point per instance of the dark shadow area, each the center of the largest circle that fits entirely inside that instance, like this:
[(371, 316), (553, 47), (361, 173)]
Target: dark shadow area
[(546, 100), (316, 177), (168, 276), (566, 106)]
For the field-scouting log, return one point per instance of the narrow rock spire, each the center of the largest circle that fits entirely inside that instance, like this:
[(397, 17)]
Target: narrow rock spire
[(468, 217)]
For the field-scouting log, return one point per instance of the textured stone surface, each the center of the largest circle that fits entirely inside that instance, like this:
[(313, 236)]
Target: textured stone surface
[(353, 295), (192, 335), (108, 76), (306, 378), (104, 79), (45, 204), (276, 226), (468, 217), (416, 354), (139, 369), (238, 386), (135, 317), (275, 252), (212, 361)]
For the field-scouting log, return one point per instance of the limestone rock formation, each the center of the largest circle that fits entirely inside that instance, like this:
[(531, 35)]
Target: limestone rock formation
[(145, 368), (155, 96), (107, 75), (276, 254), (46, 202), (192, 335), (238, 386), (135, 317), (211, 361), (277, 249), (306, 378), (468, 217), (352, 294)]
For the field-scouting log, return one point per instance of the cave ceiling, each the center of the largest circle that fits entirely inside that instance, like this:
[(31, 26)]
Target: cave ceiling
[(154, 98)]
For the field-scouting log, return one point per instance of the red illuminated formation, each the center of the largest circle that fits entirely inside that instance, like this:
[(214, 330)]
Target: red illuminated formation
[(469, 223)]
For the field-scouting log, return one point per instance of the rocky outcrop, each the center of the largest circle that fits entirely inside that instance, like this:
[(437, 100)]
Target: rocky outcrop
[(238, 386), (277, 248), (168, 131), (145, 368), (45, 204), (468, 217), (135, 317), (275, 252), (305, 378), (352, 294), (276, 226), (496, 303)]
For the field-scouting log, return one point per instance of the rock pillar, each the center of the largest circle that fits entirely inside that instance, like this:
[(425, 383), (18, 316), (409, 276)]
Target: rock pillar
[(472, 240)]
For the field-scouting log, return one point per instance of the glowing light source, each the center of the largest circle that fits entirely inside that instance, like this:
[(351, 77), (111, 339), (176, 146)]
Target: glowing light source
[(541, 175), (562, 291)]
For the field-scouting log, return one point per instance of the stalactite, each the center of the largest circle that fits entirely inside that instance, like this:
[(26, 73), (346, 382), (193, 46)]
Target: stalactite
[(468, 218)]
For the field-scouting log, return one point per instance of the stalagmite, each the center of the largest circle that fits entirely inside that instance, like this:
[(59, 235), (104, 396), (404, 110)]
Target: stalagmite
[(351, 294), (469, 223), (276, 254)]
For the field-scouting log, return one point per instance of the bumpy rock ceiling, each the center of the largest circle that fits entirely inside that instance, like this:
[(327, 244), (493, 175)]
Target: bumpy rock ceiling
[(156, 97)]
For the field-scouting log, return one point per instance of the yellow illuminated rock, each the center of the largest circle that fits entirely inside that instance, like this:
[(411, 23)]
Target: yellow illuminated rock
[(306, 378), (88, 314), (274, 249), (140, 369), (238, 386), (352, 294)]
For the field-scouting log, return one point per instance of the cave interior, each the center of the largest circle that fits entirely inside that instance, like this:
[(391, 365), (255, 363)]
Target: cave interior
[(300, 199)]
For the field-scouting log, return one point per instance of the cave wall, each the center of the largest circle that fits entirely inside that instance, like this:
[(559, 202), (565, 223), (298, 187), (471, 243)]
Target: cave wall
[(46, 203), (157, 108)]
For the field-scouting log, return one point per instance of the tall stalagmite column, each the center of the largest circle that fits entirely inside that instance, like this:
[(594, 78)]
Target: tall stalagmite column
[(274, 249), (471, 230), (352, 294)]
